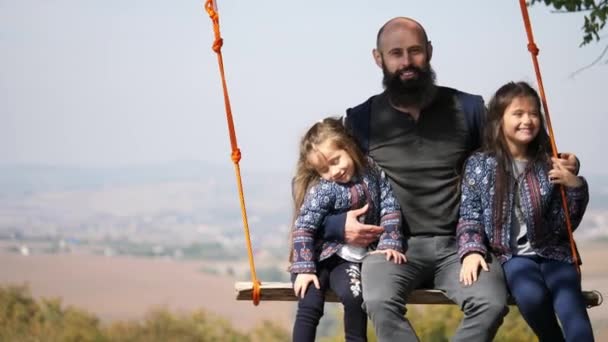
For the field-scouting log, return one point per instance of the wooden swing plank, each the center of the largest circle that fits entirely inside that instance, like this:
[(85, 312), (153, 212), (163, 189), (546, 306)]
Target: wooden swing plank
[(277, 291)]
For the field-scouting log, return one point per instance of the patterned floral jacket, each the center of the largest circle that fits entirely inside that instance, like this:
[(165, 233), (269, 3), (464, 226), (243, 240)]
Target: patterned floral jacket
[(326, 198), (541, 205)]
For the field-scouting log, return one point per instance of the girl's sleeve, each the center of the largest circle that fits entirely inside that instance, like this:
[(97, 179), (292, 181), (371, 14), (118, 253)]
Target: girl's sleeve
[(470, 230), (317, 204), (577, 199), (334, 227), (390, 216)]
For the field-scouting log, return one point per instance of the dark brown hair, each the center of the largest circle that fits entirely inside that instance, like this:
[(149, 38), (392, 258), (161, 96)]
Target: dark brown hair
[(496, 145)]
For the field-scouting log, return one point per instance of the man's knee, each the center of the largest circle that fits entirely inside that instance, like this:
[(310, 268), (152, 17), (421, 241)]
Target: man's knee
[(490, 294), (373, 266), (375, 304), (497, 308), (383, 305), (491, 308)]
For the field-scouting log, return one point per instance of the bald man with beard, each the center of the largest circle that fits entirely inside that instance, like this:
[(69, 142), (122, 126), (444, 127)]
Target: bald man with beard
[(420, 134)]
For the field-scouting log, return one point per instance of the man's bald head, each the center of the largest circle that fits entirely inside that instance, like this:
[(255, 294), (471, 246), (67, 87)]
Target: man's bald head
[(401, 22)]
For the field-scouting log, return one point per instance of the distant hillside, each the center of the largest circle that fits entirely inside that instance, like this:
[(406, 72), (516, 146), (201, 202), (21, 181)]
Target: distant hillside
[(27, 179), (170, 205), (188, 202), (19, 179)]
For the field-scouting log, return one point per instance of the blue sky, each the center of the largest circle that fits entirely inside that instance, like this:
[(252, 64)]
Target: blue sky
[(114, 82)]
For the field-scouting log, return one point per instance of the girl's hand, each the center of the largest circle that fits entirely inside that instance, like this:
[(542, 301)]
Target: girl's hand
[(470, 268), (568, 160), (398, 257), (559, 174), (302, 281)]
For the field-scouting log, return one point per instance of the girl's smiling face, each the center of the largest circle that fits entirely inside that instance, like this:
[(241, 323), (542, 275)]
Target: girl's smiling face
[(520, 124)]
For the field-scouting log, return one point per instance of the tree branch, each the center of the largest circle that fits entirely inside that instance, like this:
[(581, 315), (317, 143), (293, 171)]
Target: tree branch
[(575, 11), (597, 60)]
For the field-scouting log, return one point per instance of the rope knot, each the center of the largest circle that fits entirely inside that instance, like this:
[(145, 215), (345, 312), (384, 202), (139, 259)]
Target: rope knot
[(236, 156), (217, 45), (533, 49)]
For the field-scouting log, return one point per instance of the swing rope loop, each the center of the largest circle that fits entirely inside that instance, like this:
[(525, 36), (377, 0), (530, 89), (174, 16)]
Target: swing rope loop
[(215, 19), (534, 52), (235, 155)]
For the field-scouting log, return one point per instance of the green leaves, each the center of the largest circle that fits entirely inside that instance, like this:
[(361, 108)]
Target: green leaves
[(594, 21)]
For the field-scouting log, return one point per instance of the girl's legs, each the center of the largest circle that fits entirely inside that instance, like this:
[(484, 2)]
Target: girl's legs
[(345, 281), (310, 308), (528, 288), (564, 283)]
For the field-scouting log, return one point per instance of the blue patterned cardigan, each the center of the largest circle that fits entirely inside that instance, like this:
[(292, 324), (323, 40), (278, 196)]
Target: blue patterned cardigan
[(541, 205), (328, 198)]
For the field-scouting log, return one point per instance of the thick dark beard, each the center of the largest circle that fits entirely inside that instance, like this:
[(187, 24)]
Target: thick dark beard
[(418, 92)]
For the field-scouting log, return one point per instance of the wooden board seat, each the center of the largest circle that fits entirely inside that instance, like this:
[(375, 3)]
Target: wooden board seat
[(276, 291)]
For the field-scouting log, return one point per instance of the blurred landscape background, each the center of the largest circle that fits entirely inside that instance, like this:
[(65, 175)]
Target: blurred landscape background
[(123, 243), (119, 218)]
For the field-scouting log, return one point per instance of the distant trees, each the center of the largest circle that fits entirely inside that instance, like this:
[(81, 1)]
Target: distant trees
[(160, 325), (596, 14), (23, 318), (437, 323)]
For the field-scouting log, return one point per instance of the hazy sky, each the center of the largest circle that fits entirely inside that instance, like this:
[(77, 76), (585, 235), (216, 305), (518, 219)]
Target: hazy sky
[(92, 83)]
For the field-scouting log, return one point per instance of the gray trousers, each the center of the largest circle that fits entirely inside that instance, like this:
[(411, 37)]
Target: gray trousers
[(432, 261)]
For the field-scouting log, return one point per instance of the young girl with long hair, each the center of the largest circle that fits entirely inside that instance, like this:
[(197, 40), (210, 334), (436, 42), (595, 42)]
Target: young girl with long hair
[(511, 209), (333, 176)]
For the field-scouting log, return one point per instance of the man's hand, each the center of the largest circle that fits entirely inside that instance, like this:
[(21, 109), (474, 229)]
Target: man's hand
[(357, 233), (567, 160), (470, 267), (302, 281)]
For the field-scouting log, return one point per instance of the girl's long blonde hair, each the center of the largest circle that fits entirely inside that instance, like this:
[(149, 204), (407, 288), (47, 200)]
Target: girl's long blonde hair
[(328, 129)]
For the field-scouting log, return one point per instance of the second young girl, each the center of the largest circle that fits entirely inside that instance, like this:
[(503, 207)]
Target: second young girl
[(511, 208), (333, 176)]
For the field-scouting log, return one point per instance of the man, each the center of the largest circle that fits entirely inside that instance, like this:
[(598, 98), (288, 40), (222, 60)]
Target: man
[(420, 134)]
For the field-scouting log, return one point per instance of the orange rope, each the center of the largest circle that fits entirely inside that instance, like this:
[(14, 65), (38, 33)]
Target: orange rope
[(211, 9), (534, 52)]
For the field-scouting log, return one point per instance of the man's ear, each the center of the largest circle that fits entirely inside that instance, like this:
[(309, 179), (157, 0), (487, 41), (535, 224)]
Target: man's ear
[(429, 51), (377, 57)]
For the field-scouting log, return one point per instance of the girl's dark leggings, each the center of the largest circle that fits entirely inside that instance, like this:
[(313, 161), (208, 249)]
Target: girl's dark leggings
[(543, 288), (344, 278)]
